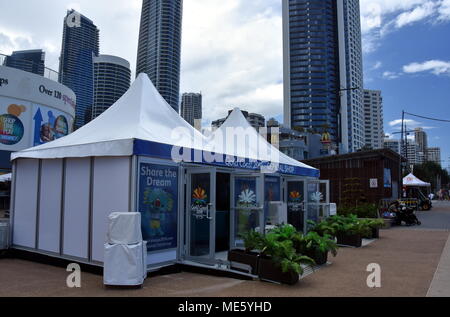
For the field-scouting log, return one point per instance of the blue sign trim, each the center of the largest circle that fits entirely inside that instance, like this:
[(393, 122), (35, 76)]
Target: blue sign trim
[(164, 151)]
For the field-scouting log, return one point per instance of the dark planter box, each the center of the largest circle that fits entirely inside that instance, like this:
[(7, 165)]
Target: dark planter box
[(270, 272), (321, 258), (240, 256), (374, 234), (349, 240)]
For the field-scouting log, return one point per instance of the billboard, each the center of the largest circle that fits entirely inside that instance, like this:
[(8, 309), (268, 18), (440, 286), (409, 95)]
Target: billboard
[(33, 110), (158, 205), (14, 118), (49, 124)]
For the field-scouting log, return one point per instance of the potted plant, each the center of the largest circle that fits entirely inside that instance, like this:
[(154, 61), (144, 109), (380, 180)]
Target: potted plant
[(374, 228), (250, 255), (351, 230), (324, 228), (317, 247), (279, 261)]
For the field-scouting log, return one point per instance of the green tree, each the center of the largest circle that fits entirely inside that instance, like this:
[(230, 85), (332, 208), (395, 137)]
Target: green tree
[(430, 172)]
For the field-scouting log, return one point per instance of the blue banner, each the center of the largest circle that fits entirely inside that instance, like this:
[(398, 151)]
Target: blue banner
[(158, 204)]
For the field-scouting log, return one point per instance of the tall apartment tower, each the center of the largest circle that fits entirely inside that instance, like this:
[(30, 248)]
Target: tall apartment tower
[(32, 61), (421, 139), (159, 48), (373, 119), (191, 108), (323, 74), (80, 44), (112, 78)]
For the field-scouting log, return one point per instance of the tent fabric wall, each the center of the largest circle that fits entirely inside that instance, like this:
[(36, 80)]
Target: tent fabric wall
[(50, 205), (111, 193), (61, 206), (25, 205), (76, 208)]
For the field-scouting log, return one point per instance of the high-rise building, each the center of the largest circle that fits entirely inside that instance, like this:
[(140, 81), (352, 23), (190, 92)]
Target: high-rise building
[(80, 44), (413, 152), (159, 49), (392, 144), (191, 108), (421, 139), (112, 77), (32, 61), (323, 75), (373, 119), (434, 155)]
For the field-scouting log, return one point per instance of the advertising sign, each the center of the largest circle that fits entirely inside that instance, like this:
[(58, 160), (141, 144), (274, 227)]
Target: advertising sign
[(14, 117), (158, 204), (387, 178), (49, 124)]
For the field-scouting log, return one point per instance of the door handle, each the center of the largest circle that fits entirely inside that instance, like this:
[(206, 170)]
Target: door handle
[(208, 216)]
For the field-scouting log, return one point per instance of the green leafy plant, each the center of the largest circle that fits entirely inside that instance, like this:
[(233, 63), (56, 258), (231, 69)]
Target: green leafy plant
[(338, 224), (374, 223), (252, 240), (361, 211), (313, 242), (282, 252)]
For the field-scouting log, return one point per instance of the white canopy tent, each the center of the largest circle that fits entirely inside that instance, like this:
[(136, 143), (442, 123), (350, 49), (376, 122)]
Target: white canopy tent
[(141, 114), (246, 142), (413, 181), (64, 190)]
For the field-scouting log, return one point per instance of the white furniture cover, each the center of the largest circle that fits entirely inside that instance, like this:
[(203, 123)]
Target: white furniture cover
[(124, 228), (125, 265)]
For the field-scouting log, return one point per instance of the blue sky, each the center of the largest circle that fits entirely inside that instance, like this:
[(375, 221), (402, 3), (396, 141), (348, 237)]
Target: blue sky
[(232, 51), (423, 88)]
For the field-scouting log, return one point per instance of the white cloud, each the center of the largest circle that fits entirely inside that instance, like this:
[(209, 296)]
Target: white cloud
[(417, 14), (380, 17), (436, 67), (391, 75)]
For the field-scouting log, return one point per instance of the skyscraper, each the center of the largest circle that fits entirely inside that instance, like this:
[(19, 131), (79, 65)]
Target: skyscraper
[(112, 76), (421, 139), (191, 108), (159, 49), (323, 76), (79, 45), (434, 155), (32, 61), (373, 119)]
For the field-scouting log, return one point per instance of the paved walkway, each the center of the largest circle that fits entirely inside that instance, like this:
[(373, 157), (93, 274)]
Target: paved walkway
[(411, 260), (440, 286), (408, 260)]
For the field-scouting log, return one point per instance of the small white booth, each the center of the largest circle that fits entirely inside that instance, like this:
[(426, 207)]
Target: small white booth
[(140, 155)]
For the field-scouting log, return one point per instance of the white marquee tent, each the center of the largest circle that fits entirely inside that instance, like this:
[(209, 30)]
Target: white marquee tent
[(63, 191), (413, 181), (248, 143)]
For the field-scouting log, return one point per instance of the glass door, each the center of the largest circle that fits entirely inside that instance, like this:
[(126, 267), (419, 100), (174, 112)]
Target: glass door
[(295, 198), (201, 216), (247, 212), (318, 200)]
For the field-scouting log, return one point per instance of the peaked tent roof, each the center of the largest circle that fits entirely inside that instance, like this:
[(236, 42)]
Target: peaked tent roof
[(255, 146), (413, 181), (141, 114)]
